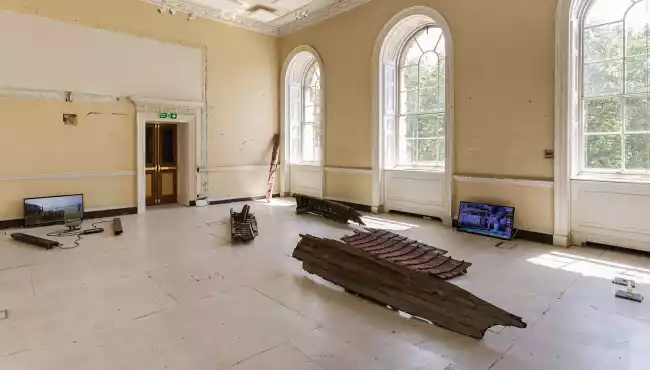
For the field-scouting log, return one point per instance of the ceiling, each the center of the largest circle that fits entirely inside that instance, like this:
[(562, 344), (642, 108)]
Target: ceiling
[(275, 17)]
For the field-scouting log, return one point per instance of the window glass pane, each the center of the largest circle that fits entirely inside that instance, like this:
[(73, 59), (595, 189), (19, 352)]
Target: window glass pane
[(409, 78), (428, 38), (603, 78), (407, 153), (427, 150), (429, 76), (408, 127), (389, 141), (636, 114), (429, 100), (442, 122), (636, 151), (294, 110), (636, 75), (441, 150), (440, 49), (317, 142), (603, 115), (312, 113), (431, 126), (636, 30), (308, 143), (604, 11), (412, 54), (308, 151), (603, 42), (429, 59), (409, 102), (603, 151), (311, 95)]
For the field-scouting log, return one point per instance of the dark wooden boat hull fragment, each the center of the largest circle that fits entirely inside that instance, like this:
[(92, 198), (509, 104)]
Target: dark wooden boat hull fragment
[(416, 292), (407, 252), (329, 209)]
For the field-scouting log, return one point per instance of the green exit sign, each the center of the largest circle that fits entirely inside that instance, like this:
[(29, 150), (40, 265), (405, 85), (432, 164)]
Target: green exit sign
[(168, 115)]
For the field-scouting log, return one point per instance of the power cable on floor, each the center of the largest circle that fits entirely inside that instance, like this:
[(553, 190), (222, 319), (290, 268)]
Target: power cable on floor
[(78, 234)]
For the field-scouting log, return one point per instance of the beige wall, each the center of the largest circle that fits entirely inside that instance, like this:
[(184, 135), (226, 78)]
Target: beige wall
[(242, 95), (349, 187), (504, 73)]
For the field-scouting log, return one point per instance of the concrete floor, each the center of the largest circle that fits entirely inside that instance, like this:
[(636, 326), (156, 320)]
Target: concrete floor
[(172, 293)]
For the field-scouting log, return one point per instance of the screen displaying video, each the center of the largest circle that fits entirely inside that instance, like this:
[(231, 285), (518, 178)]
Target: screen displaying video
[(486, 219), (52, 210)]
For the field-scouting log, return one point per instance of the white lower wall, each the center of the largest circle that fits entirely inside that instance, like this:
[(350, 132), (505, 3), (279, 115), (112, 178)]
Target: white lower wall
[(307, 180), (612, 213), (420, 192)]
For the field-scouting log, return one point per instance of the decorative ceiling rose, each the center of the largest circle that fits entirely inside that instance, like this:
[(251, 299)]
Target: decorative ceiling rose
[(292, 21)]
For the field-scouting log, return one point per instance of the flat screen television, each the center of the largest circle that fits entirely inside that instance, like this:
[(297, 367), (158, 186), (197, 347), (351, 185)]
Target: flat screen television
[(486, 219), (53, 210)]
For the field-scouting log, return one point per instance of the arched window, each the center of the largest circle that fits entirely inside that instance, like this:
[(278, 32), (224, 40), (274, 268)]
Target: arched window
[(310, 122), (303, 123), (413, 101), (305, 105), (614, 129), (421, 113)]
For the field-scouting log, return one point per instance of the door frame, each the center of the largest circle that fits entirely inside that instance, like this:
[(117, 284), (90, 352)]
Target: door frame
[(188, 113)]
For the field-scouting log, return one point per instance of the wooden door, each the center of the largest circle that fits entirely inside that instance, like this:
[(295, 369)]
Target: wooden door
[(161, 163)]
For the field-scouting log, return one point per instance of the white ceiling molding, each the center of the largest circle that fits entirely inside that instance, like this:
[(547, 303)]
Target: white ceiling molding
[(316, 11), (216, 15), (332, 9)]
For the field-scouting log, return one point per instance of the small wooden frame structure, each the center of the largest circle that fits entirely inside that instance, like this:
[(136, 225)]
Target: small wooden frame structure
[(243, 225)]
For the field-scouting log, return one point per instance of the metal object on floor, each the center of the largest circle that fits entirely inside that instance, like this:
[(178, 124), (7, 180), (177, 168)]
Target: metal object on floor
[(329, 209), (629, 295), (624, 282), (415, 291), (410, 253), (243, 225)]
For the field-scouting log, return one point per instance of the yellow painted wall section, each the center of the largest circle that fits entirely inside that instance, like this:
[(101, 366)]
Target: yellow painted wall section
[(349, 187), (34, 141), (100, 192), (504, 91), (242, 95), (504, 82)]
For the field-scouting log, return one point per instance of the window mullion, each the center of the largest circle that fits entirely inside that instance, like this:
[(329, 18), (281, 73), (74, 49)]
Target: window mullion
[(417, 126), (624, 90), (622, 115)]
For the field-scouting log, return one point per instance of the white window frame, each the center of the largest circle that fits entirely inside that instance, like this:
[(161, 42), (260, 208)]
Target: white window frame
[(303, 107), (438, 166), (580, 159), (295, 62), (384, 67)]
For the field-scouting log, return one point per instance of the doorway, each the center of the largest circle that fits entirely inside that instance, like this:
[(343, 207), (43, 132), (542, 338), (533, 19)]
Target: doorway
[(161, 163)]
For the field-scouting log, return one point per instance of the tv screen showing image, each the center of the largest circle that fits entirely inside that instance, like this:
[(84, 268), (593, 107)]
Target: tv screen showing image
[(53, 210), (486, 219)]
